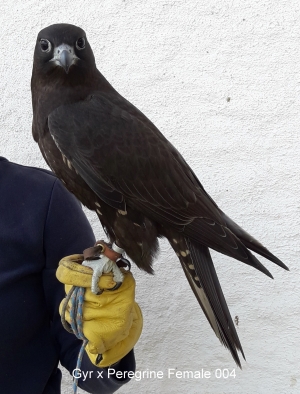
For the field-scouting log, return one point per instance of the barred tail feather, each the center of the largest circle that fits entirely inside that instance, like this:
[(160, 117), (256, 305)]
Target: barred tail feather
[(198, 267)]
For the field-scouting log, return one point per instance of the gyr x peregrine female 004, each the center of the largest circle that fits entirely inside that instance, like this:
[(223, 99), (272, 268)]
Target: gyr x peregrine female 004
[(118, 164)]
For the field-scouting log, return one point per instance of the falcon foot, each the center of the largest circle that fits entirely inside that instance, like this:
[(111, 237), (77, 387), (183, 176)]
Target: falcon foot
[(102, 260)]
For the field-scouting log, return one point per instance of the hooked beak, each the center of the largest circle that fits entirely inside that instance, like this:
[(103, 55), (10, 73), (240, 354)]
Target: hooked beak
[(64, 56)]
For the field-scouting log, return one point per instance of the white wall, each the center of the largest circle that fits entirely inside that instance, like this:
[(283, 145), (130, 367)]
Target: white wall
[(179, 62)]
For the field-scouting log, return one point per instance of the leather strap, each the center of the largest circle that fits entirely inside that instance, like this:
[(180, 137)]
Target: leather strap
[(99, 248)]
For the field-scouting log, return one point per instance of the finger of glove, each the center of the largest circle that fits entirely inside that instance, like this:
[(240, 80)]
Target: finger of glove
[(124, 346), (110, 302), (107, 318), (125, 292), (71, 272), (108, 321)]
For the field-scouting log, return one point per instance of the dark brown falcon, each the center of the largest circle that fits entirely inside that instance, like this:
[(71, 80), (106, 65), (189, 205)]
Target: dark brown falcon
[(118, 164)]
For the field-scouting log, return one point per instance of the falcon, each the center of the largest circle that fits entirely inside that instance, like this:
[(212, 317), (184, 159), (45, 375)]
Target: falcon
[(118, 164)]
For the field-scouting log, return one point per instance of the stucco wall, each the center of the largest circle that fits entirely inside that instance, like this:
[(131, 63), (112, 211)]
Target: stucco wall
[(221, 80)]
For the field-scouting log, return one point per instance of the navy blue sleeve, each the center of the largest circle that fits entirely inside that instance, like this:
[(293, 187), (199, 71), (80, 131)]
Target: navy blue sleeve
[(105, 380), (67, 231)]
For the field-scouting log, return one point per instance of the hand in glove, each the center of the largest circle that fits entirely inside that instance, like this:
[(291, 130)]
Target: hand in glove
[(112, 321)]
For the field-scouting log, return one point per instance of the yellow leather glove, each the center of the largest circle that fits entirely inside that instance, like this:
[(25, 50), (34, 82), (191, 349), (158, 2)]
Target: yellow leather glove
[(112, 321)]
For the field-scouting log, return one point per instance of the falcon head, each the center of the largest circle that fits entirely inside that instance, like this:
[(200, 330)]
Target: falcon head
[(63, 49)]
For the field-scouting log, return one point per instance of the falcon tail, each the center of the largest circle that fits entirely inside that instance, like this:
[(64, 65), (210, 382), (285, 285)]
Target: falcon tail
[(201, 275), (251, 243)]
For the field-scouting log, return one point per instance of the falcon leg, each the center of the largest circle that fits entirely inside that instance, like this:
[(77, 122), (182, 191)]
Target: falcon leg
[(103, 266)]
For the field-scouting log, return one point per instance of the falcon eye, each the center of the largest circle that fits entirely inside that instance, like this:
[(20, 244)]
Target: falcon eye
[(80, 43), (45, 45)]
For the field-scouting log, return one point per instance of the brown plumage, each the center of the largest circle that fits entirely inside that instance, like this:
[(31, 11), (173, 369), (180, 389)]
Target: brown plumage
[(118, 164)]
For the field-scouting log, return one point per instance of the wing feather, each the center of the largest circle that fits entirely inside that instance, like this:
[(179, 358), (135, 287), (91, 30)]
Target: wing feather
[(126, 161)]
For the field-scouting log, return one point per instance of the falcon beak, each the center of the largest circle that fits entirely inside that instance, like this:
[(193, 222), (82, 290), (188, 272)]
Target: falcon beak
[(66, 60), (64, 56)]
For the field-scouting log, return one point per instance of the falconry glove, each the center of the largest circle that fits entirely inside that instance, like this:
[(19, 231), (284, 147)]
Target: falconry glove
[(112, 321)]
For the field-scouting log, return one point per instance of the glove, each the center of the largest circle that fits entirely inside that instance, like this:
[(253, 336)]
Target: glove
[(112, 321)]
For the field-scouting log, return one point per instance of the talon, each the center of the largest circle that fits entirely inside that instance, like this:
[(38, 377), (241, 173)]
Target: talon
[(103, 266), (98, 268), (118, 284)]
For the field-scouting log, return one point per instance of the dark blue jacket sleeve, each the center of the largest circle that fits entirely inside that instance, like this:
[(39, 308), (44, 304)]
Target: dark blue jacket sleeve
[(105, 380), (67, 231)]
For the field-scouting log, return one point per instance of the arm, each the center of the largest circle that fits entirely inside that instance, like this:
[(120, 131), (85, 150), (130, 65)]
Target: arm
[(66, 232), (105, 380)]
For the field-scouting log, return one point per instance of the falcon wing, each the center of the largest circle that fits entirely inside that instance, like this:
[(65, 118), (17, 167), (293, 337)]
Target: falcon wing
[(112, 148), (126, 161)]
